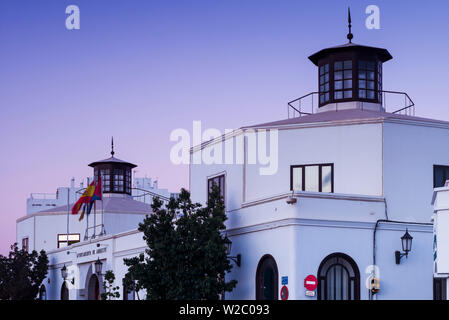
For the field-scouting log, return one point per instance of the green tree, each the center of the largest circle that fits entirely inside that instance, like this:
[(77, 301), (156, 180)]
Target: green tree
[(186, 255), (22, 273), (110, 291)]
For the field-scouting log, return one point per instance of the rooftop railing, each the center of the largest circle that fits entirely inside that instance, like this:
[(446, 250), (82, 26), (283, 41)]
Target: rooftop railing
[(399, 102), (43, 196)]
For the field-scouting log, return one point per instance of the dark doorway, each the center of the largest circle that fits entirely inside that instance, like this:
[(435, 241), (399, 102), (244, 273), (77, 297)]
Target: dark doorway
[(338, 278), (267, 279), (42, 293), (64, 291), (94, 288)]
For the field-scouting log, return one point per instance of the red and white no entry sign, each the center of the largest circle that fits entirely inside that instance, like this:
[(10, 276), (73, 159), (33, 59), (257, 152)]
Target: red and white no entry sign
[(310, 282)]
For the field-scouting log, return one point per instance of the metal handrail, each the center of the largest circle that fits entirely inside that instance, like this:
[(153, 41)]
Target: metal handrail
[(153, 194), (406, 97), (147, 192), (409, 105), (289, 104), (43, 196)]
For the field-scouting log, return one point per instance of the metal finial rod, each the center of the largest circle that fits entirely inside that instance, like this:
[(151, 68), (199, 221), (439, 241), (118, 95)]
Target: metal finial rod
[(112, 146), (350, 35)]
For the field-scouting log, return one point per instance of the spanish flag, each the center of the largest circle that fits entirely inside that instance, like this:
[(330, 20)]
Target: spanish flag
[(96, 196), (85, 198)]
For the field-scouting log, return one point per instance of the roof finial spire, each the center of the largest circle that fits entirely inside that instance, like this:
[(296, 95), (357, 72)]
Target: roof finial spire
[(350, 35), (112, 146)]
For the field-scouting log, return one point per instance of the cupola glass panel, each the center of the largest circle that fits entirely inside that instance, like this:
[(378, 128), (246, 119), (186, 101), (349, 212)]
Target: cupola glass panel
[(324, 83), (350, 72), (342, 79), (367, 71), (115, 173)]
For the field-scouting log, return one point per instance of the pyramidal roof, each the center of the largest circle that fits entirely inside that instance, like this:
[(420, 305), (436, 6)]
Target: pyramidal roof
[(344, 115), (124, 205)]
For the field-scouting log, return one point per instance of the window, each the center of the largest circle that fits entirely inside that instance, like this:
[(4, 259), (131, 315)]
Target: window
[(367, 71), (25, 245), (324, 83), (73, 238), (118, 180), (128, 181), (218, 181), (440, 175), (439, 288), (315, 178), (338, 278), (106, 179), (379, 82), (267, 279), (342, 79)]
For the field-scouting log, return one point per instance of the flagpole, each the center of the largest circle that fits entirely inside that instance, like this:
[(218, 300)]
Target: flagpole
[(68, 208), (86, 208), (102, 209), (95, 219)]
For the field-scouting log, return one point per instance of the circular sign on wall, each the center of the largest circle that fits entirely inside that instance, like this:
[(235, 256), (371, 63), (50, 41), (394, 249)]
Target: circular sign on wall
[(284, 293), (310, 282)]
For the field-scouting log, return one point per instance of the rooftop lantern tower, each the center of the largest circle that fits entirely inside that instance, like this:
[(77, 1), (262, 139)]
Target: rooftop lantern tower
[(350, 75), (116, 174)]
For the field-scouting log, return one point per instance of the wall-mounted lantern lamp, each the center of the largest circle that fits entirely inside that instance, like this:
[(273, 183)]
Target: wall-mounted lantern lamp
[(64, 274), (98, 266), (406, 240), (238, 258)]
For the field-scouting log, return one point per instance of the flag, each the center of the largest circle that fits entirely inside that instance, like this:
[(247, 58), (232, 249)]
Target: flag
[(95, 196), (85, 198)]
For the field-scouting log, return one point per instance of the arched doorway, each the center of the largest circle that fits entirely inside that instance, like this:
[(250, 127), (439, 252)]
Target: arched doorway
[(267, 279), (42, 293), (338, 278), (64, 291), (93, 288)]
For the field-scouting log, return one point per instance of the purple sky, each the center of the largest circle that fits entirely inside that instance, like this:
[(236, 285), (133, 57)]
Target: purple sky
[(139, 69)]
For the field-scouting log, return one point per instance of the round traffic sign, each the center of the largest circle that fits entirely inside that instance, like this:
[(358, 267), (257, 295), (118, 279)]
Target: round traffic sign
[(284, 293), (310, 282)]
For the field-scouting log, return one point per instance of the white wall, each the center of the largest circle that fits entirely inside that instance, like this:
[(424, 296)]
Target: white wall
[(409, 155), (118, 247), (355, 151), (47, 227)]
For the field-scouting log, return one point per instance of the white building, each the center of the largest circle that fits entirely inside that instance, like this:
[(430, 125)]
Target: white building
[(351, 179), (143, 190), (44, 201), (108, 234), (440, 200)]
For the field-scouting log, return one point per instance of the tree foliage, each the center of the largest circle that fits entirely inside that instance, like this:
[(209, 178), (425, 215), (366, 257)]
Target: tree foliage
[(22, 273), (186, 255), (110, 291)]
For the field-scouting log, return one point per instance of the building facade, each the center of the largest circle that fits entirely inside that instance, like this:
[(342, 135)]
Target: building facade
[(345, 215), (106, 236), (352, 178)]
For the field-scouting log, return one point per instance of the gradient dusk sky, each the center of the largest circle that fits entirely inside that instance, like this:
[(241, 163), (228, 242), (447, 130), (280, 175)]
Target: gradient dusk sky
[(137, 69)]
